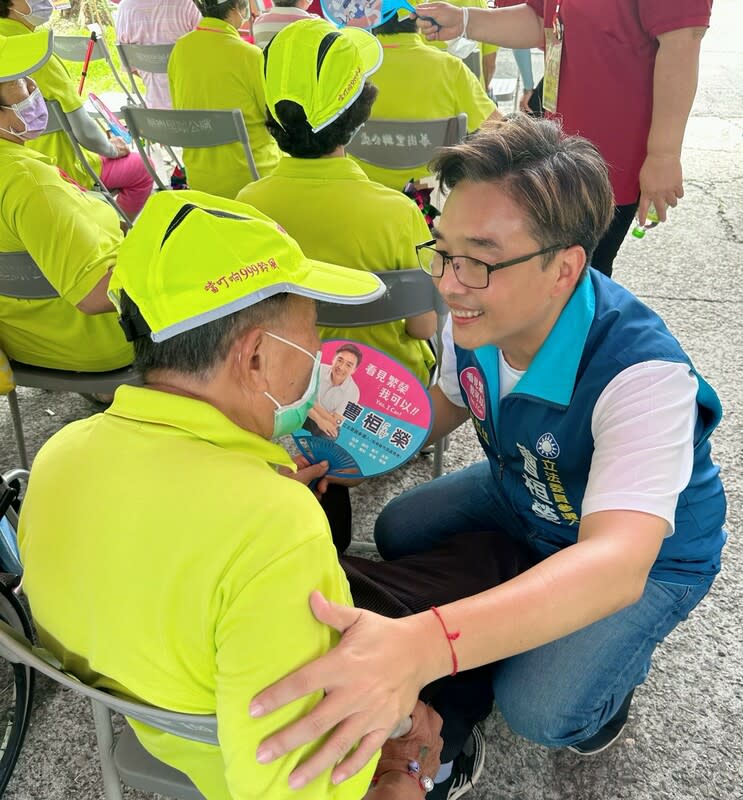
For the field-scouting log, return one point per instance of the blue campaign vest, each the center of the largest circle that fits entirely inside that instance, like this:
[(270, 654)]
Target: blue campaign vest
[(538, 438)]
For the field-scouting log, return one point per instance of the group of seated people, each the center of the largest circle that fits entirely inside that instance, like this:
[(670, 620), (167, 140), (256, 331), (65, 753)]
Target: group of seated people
[(375, 228), (212, 67), (542, 578)]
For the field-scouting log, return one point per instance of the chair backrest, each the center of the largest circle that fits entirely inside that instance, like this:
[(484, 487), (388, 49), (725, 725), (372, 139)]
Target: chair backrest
[(16, 648), (504, 90), (405, 144), (409, 292), (20, 277), (187, 128), (75, 48), (145, 57), (57, 122), (472, 62)]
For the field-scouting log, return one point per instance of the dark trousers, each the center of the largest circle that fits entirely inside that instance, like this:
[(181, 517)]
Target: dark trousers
[(608, 247), (465, 565)]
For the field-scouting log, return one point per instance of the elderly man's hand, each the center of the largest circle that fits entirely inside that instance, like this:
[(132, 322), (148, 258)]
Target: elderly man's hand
[(307, 473), (423, 744)]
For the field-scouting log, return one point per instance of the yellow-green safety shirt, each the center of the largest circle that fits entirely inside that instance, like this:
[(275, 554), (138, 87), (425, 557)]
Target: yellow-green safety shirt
[(165, 558), (420, 82), (338, 215), (213, 68), (484, 47), (56, 83), (74, 238)]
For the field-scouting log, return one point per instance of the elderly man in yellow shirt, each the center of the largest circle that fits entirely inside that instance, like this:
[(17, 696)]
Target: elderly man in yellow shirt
[(73, 237), (213, 68), (318, 193), (178, 579)]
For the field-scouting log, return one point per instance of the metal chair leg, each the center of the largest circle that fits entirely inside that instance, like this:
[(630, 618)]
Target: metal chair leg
[(15, 414), (105, 735)]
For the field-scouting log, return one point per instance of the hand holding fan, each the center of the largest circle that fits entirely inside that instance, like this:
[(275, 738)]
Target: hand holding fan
[(366, 13), (114, 124)]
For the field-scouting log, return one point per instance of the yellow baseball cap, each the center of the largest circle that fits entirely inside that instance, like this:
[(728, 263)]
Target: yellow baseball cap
[(321, 68), (21, 55), (192, 258)]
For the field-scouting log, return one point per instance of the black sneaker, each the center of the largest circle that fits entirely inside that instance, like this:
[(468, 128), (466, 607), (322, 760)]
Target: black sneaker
[(607, 735), (465, 772)]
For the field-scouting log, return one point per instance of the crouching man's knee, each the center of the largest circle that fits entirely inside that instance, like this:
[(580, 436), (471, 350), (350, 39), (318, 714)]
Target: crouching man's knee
[(550, 721)]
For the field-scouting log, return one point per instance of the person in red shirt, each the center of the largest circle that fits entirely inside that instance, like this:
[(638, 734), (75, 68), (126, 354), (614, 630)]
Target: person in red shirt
[(627, 80)]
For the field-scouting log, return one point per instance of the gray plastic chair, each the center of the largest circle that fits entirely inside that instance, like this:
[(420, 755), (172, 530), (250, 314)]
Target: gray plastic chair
[(146, 57), (21, 277), (75, 48), (405, 144), (472, 62), (123, 759), (505, 90), (409, 292), (58, 122), (187, 128)]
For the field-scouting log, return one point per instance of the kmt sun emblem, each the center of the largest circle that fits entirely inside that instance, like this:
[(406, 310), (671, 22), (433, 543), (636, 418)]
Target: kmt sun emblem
[(547, 446)]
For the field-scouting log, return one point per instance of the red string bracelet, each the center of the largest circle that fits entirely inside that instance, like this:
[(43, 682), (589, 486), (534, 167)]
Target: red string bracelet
[(450, 637)]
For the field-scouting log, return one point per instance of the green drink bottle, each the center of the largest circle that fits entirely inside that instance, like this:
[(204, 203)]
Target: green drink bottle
[(651, 220)]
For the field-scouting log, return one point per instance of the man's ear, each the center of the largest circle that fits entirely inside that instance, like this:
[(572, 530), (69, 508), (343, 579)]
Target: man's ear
[(572, 261), (248, 357)]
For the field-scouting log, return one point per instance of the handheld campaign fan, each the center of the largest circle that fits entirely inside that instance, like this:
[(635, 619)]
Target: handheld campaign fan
[(317, 449), (365, 13), (114, 124), (371, 415)]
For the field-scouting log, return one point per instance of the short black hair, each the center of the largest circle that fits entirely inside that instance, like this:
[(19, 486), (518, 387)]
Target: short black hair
[(5, 8), (395, 25), (198, 351), (294, 134), (219, 9), (352, 349)]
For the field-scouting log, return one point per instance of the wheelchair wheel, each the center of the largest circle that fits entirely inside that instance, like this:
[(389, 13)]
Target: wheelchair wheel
[(16, 690)]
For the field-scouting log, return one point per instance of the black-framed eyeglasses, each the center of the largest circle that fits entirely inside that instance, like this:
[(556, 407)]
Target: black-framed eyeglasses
[(470, 272)]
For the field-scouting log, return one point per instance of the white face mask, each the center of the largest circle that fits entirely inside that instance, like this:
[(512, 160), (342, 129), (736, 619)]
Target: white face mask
[(39, 12)]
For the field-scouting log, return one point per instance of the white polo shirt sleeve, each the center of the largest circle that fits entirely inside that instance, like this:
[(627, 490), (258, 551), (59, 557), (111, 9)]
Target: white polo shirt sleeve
[(449, 378), (643, 429)]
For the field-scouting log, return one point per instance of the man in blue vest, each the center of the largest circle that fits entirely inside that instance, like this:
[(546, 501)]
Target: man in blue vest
[(596, 429)]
